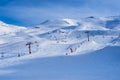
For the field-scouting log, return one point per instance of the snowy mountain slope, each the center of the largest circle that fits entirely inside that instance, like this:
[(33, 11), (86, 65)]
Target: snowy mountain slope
[(60, 22), (50, 25), (7, 28), (89, 23), (99, 65), (92, 23), (66, 37)]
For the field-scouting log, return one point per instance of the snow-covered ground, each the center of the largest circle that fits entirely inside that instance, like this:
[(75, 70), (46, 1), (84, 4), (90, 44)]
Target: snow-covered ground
[(99, 65), (64, 49)]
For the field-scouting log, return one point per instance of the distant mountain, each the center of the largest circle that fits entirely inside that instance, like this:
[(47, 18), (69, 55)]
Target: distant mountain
[(60, 22), (88, 23)]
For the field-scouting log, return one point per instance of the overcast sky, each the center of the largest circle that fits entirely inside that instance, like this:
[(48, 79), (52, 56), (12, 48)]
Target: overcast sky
[(32, 12)]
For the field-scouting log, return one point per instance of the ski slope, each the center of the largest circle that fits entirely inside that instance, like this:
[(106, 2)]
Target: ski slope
[(99, 65), (58, 39)]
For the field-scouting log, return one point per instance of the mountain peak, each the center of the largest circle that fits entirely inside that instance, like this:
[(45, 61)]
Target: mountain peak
[(70, 21), (60, 22)]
